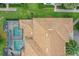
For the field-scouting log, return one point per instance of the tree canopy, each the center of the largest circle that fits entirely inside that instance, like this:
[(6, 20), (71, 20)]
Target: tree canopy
[(69, 5), (72, 48)]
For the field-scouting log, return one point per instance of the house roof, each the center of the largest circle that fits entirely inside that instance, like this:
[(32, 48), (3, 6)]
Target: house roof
[(49, 35), (63, 26)]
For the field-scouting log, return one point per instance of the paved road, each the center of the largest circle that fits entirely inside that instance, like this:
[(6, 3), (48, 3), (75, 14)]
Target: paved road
[(76, 35)]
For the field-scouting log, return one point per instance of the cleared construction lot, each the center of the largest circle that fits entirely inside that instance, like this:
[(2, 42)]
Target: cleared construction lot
[(46, 36)]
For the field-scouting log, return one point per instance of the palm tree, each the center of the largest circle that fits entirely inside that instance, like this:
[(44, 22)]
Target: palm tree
[(72, 48)]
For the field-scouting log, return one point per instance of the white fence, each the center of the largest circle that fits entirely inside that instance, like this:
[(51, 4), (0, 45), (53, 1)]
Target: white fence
[(66, 10), (7, 9)]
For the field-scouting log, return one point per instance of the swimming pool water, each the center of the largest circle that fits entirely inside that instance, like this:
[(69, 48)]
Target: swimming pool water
[(18, 44), (17, 31)]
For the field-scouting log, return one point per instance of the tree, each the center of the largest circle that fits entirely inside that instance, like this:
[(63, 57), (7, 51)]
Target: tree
[(76, 26), (2, 5), (72, 48), (69, 5), (1, 46)]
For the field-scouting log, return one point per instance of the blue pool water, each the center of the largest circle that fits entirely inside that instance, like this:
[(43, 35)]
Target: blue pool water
[(17, 31), (18, 44)]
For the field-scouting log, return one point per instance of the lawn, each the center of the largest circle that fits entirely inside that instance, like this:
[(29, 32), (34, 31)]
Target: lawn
[(2, 45), (2, 36), (30, 10), (46, 11), (22, 12)]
